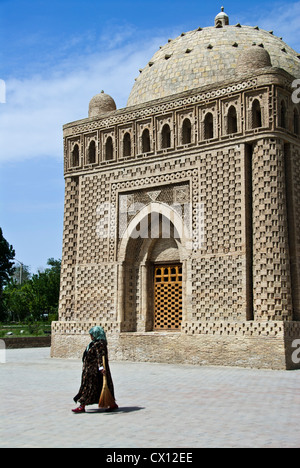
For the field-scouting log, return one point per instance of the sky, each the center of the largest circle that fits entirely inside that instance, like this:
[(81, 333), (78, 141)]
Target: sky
[(54, 57)]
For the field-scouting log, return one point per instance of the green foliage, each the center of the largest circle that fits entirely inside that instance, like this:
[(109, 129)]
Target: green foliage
[(21, 274), (7, 254), (35, 298), (24, 297)]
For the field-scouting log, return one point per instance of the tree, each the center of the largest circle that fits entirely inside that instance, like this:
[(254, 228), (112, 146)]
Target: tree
[(46, 285), (36, 297), (21, 274), (17, 300), (7, 254)]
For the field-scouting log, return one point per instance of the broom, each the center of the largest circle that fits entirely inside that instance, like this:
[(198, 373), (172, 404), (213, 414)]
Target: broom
[(106, 398)]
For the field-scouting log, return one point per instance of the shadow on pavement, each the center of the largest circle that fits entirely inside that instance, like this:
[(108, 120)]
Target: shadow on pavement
[(121, 409)]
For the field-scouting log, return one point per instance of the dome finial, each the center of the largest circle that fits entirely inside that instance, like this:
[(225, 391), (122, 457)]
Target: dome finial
[(221, 19)]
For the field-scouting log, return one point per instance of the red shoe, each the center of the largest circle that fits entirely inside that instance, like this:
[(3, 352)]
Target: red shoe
[(80, 409)]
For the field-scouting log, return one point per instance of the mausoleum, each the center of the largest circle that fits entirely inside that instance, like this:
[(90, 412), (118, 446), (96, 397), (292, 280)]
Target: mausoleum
[(182, 210)]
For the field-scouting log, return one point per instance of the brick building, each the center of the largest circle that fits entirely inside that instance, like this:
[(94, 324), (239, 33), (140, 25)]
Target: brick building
[(182, 210)]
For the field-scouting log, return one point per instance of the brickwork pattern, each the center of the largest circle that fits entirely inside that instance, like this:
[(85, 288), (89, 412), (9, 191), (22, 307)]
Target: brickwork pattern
[(240, 329), (218, 289), (67, 300), (94, 219), (293, 202), (95, 298), (271, 263), (71, 328)]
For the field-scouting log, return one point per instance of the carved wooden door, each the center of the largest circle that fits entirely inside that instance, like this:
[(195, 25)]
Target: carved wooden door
[(167, 297)]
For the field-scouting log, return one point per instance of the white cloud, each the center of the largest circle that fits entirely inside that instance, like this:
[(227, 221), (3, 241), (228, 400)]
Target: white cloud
[(282, 18), (37, 107)]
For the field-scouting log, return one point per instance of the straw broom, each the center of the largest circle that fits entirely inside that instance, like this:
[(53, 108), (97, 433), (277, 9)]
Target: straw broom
[(106, 398)]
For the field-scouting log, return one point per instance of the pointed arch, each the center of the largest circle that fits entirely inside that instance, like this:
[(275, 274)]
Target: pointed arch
[(127, 145), (166, 136), (256, 114), (92, 152), (156, 234), (144, 225), (208, 126), (75, 156), (109, 149), (186, 132), (232, 126), (282, 115), (146, 148), (296, 122)]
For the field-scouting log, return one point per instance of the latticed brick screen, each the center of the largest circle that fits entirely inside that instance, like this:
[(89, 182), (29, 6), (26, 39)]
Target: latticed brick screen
[(168, 297)]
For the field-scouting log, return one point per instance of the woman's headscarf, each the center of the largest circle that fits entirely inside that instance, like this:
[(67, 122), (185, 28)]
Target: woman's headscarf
[(97, 333)]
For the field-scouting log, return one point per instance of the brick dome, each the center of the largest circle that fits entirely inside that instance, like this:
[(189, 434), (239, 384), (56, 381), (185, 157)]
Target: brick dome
[(210, 55), (254, 57), (101, 104)]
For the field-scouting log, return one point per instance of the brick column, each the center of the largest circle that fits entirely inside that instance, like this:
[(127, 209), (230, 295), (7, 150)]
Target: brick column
[(292, 155), (67, 281), (272, 298)]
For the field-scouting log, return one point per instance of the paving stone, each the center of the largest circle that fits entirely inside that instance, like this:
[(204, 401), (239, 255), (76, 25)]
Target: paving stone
[(160, 405)]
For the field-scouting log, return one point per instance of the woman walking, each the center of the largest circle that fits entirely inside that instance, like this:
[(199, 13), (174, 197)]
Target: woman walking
[(93, 371)]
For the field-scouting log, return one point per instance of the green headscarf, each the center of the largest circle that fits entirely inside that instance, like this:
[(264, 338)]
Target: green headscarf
[(97, 333)]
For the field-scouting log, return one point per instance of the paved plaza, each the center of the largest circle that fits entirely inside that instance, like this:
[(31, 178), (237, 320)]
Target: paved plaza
[(160, 406)]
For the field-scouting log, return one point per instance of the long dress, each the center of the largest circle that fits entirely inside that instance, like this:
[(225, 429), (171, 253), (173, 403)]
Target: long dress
[(92, 378)]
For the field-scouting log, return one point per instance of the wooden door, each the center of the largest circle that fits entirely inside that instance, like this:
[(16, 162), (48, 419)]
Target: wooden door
[(167, 297)]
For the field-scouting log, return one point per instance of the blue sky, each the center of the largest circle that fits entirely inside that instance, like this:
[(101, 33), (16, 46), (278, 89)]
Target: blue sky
[(54, 57)]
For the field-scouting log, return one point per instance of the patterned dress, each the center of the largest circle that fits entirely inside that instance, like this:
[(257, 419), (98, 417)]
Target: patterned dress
[(92, 378)]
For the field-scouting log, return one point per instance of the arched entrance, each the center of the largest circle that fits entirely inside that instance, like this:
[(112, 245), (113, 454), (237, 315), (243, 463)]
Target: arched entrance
[(153, 262)]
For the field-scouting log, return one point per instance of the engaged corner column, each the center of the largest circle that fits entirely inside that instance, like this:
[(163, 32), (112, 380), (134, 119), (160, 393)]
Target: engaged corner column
[(120, 293), (272, 298)]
